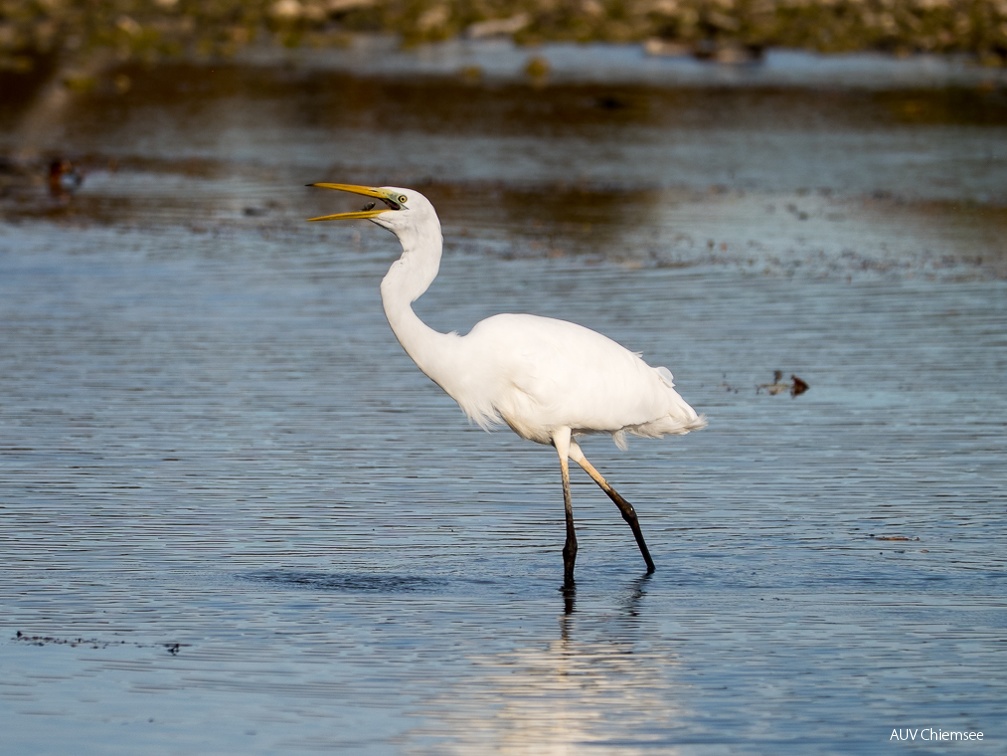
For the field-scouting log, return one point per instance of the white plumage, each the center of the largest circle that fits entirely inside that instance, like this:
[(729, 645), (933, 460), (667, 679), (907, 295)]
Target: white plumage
[(539, 374), (549, 380)]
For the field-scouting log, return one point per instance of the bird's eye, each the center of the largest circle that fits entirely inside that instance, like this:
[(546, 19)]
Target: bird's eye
[(403, 199)]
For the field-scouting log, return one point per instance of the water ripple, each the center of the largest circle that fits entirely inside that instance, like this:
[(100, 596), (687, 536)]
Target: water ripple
[(347, 582)]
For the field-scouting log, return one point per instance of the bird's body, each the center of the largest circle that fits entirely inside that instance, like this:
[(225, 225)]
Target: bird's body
[(550, 380), (540, 374)]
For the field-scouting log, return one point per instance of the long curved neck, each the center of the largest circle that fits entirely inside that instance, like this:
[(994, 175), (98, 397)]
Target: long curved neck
[(405, 282)]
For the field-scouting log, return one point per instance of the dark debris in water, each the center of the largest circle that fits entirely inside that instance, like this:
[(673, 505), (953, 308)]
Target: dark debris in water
[(96, 643), (795, 386), (347, 582)]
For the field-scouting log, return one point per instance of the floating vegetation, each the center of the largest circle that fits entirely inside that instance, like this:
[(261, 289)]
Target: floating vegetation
[(95, 643)]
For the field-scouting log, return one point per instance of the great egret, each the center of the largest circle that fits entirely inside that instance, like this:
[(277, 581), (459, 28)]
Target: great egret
[(549, 380)]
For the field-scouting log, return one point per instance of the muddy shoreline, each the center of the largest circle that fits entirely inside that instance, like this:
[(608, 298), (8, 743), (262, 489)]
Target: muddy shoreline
[(729, 30)]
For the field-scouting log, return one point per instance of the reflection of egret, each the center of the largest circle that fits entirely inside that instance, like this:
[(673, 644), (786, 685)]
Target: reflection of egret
[(606, 682), (549, 380)]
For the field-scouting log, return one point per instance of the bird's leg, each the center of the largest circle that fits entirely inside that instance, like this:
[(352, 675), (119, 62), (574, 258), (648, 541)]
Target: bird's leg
[(628, 513), (570, 547), (561, 440)]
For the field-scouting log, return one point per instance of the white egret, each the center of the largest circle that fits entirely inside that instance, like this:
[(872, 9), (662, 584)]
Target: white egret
[(549, 380)]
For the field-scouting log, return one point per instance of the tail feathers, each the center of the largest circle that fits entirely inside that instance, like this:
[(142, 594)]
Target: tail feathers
[(667, 426)]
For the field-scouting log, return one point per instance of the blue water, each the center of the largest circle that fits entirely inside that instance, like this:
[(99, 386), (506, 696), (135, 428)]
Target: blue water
[(234, 518)]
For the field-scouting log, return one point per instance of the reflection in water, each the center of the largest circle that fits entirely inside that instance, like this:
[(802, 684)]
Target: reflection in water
[(605, 678)]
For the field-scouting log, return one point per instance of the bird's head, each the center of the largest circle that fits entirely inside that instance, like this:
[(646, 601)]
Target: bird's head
[(397, 209)]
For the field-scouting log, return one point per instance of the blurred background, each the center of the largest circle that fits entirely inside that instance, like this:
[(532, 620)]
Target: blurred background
[(707, 28)]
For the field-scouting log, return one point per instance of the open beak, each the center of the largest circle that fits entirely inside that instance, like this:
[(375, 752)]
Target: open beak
[(357, 214)]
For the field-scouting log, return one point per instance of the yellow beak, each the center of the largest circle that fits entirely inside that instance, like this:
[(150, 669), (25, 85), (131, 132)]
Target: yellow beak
[(366, 191)]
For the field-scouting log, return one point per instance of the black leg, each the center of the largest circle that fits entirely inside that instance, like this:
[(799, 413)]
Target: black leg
[(628, 513), (570, 547), (561, 440)]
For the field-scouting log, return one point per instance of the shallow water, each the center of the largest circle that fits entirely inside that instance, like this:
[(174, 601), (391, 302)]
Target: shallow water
[(236, 519)]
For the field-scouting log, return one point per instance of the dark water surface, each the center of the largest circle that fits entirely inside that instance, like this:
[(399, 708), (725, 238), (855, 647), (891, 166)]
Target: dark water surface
[(234, 518)]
